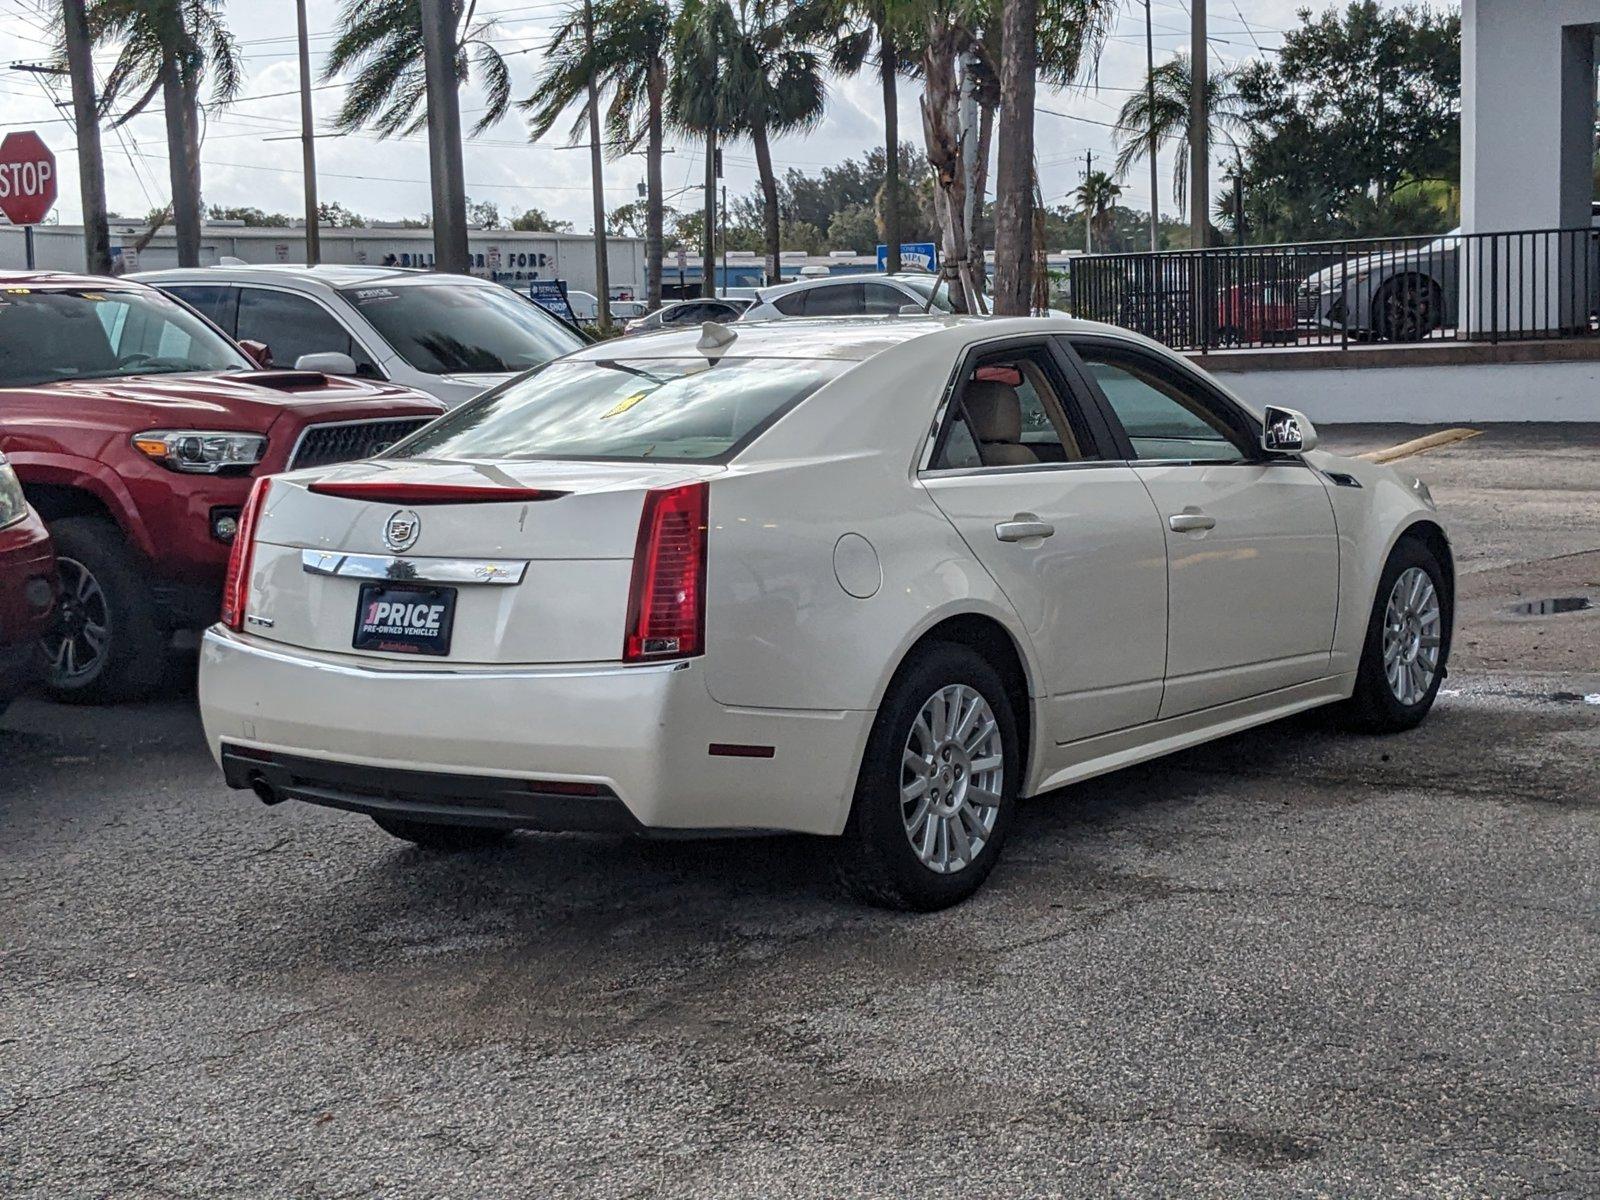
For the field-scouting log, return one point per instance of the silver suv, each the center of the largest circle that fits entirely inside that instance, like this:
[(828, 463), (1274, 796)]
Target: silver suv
[(452, 336)]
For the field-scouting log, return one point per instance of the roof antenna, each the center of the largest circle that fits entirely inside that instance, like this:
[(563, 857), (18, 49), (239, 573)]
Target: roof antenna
[(714, 336)]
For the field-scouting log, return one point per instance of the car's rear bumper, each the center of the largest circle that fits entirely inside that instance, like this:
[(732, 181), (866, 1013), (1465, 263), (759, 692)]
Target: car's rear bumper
[(27, 603), (602, 746)]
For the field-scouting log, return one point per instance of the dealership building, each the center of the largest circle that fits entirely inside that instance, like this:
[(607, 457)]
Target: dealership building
[(511, 257)]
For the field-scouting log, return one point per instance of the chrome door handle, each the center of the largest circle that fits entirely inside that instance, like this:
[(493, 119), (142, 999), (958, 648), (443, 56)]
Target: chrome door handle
[(1187, 522), (1022, 527)]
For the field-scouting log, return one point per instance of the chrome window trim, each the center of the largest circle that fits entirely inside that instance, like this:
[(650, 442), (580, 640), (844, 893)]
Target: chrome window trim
[(1025, 468), (499, 572)]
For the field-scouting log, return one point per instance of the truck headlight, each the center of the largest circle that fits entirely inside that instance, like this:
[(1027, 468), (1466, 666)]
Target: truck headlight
[(12, 505), (201, 452)]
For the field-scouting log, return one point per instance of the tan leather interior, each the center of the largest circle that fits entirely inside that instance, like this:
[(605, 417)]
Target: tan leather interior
[(994, 414)]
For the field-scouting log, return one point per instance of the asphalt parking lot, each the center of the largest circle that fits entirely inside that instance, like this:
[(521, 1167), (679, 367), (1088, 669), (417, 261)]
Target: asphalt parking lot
[(1293, 963)]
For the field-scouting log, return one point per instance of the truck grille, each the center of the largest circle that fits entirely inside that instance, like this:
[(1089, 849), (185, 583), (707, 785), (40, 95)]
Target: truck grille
[(321, 445)]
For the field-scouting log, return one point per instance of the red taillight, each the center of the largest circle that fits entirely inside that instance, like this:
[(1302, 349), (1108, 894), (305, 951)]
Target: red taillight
[(430, 493), (236, 588), (667, 601)]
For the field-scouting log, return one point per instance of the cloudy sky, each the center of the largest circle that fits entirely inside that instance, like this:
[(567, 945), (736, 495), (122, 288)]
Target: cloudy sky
[(251, 155)]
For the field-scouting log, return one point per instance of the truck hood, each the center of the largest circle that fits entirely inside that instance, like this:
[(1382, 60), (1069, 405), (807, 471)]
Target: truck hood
[(245, 400)]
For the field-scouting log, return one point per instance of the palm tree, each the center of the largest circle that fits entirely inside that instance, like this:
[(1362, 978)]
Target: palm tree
[(1096, 195), (1061, 41), (889, 24), (1170, 117), (410, 58), (381, 42), (773, 73), (697, 102), (171, 47), (75, 52), (628, 59)]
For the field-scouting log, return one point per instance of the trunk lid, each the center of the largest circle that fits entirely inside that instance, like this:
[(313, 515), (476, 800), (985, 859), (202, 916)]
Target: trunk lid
[(534, 560)]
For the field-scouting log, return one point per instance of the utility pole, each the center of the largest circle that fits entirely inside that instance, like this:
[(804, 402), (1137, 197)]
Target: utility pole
[(1150, 100), (1199, 131), (602, 268), (1088, 203), (444, 138), (86, 116), (708, 242), (308, 145), (1238, 200), (722, 228)]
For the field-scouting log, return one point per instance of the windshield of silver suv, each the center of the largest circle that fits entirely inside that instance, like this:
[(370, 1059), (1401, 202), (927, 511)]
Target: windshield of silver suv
[(445, 329), (52, 334)]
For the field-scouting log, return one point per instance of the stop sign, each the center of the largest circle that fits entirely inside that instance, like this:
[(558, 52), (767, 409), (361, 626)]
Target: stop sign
[(27, 178)]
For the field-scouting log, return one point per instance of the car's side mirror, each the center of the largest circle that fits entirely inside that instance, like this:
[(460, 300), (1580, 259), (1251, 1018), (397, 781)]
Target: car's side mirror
[(1285, 431), (329, 362), (257, 352)]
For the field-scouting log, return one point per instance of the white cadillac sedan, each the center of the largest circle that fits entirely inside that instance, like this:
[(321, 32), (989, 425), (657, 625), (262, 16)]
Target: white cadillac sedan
[(871, 579)]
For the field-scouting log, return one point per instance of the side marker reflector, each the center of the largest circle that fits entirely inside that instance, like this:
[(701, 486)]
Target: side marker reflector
[(739, 750)]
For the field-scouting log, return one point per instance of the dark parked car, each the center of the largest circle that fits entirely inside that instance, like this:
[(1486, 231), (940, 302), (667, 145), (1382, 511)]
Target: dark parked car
[(27, 589)]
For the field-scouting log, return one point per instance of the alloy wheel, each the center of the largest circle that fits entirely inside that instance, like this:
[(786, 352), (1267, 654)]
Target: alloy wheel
[(1412, 633), (951, 778), (79, 642)]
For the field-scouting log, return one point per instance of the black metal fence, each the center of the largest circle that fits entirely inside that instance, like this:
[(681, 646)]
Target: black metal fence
[(1540, 283)]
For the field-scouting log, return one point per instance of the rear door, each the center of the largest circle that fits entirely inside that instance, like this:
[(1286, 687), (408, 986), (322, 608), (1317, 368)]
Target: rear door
[(1252, 548), (1032, 483)]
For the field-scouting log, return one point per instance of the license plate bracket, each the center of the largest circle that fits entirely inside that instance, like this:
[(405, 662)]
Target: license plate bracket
[(405, 618)]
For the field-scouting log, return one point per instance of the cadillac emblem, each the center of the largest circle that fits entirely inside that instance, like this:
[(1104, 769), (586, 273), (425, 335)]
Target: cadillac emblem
[(401, 529)]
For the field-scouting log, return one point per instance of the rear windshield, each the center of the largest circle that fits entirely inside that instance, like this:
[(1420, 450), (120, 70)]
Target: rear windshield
[(444, 329), (52, 334), (671, 408)]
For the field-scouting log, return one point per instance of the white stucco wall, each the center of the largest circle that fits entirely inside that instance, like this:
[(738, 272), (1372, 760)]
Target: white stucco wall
[(1553, 391), (1527, 120), (1527, 106)]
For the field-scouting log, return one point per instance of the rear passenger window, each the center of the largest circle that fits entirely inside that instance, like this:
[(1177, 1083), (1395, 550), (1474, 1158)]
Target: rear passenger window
[(839, 300), (792, 305), (1012, 411), (883, 300)]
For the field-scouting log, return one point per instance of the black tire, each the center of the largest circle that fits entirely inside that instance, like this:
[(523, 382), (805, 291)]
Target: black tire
[(1407, 308), (133, 660), (874, 857), (442, 839), (1374, 707)]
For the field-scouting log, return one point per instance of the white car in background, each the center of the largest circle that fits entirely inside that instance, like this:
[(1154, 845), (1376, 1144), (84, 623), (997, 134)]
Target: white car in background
[(678, 314), (452, 336), (871, 579), (850, 296), (586, 307)]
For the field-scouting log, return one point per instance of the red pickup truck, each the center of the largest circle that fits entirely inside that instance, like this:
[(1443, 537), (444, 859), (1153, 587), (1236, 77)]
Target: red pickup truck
[(136, 429)]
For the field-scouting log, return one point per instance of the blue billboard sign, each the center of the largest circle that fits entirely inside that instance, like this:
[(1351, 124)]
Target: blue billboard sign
[(913, 256), (551, 295)]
